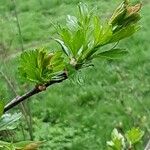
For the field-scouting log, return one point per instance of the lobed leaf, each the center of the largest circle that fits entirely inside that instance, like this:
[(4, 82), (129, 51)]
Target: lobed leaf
[(111, 54), (7, 121), (124, 33), (39, 66), (134, 135)]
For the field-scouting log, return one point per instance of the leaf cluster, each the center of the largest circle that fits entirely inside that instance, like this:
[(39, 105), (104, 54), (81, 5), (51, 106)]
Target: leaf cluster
[(125, 142), (83, 36), (8, 122), (39, 66), (81, 40)]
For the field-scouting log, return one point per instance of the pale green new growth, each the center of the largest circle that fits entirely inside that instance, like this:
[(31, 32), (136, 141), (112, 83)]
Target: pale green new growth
[(83, 36), (81, 40), (40, 66), (134, 135), (125, 142)]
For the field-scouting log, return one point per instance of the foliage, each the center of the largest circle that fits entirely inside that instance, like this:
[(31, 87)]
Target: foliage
[(8, 122), (125, 81), (40, 66), (134, 136), (82, 37), (125, 142)]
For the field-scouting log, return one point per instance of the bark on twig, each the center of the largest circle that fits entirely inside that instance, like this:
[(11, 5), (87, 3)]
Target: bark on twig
[(32, 92)]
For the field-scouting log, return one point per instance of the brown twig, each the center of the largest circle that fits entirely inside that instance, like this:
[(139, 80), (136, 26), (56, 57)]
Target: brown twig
[(34, 91)]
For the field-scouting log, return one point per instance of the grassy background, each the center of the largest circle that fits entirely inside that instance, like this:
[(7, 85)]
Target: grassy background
[(81, 112)]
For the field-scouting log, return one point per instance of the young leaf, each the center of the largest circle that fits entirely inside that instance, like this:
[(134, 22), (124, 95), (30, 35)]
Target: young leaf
[(124, 33), (105, 35), (111, 54), (134, 135), (1, 107), (125, 15), (39, 66), (63, 46), (117, 141), (72, 23), (7, 121), (97, 29), (82, 37)]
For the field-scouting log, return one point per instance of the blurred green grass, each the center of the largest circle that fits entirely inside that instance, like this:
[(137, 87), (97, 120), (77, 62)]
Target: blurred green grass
[(81, 112)]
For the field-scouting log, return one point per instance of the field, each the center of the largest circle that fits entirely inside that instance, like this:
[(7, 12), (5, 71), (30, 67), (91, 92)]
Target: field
[(81, 112)]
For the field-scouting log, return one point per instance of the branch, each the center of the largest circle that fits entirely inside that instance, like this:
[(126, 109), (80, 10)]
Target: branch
[(34, 91)]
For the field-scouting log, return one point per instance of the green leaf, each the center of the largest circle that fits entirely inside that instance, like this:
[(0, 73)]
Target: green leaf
[(8, 121), (105, 35), (97, 29), (83, 36), (119, 14), (85, 15), (124, 33), (39, 66), (134, 135), (1, 107), (72, 23), (125, 14), (117, 141), (64, 48), (111, 54)]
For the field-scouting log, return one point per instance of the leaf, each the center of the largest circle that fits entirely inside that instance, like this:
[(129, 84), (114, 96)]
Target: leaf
[(124, 33), (117, 141), (8, 121), (39, 66), (64, 48), (29, 65), (125, 15), (84, 15), (28, 145), (133, 9), (111, 54), (72, 23), (97, 29), (134, 135), (1, 107), (82, 36), (78, 43), (118, 15), (105, 35)]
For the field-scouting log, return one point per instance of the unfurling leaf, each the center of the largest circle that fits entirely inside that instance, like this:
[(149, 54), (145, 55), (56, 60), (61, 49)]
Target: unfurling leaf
[(125, 15), (134, 135), (124, 33), (117, 141), (83, 36), (39, 66), (111, 54)]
